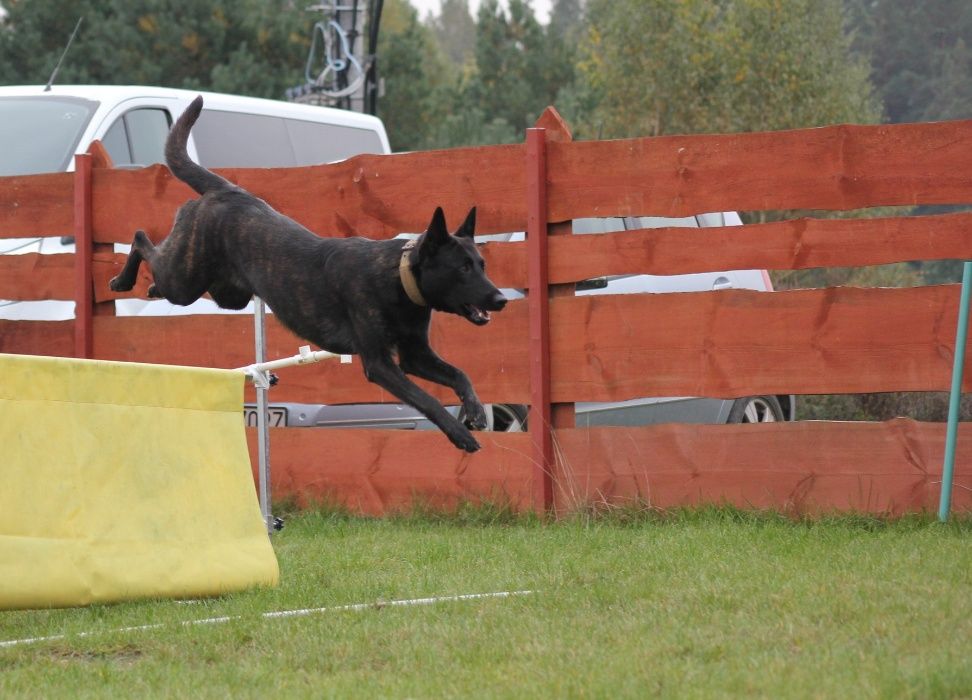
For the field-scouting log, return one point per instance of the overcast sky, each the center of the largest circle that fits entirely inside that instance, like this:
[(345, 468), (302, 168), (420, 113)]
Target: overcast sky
[(541, 7)]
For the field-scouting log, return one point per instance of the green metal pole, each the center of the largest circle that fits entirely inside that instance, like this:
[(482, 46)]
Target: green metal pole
[(958, 364)]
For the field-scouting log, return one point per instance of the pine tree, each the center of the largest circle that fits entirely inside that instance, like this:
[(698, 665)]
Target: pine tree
[(914, 52), (253, 47), (455, 31)]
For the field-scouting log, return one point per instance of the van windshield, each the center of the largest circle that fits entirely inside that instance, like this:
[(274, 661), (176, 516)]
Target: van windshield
[(39, 134)]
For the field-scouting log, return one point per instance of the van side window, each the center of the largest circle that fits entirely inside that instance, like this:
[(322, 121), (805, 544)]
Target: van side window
[(138, 137), (237, 140), (325, 143)]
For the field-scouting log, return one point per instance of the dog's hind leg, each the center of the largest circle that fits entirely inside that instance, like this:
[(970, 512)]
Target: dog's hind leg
[(420, 360), (142, 249)]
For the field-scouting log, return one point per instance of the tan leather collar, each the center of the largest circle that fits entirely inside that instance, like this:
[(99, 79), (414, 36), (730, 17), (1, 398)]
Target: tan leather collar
[(407, 277)]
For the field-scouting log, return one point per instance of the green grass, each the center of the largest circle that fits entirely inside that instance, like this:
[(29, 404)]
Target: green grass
[(710, 603)]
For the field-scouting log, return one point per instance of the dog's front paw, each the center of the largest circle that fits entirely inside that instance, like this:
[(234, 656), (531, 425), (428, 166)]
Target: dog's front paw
[(463, 439), (116, 286), (475, 415)]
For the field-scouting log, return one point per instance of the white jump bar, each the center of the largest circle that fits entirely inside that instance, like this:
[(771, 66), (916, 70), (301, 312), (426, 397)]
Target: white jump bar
[(304, 357)]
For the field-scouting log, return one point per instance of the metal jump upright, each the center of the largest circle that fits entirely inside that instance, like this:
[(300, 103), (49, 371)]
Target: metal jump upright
[(955, 397), (260, 373)]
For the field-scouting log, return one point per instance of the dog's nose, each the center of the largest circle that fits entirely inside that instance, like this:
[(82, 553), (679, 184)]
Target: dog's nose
[(498, 301)]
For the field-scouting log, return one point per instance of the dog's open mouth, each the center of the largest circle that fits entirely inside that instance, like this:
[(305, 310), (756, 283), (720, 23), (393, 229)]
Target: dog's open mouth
[(475, 314)]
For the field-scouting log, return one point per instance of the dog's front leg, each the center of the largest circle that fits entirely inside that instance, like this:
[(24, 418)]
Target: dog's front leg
[(385, 373), (419, 359)]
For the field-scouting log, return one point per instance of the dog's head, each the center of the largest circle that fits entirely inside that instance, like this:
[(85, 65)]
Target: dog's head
[(452, 272)]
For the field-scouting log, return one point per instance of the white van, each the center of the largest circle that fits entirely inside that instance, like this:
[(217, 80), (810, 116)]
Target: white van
[(40, 131)]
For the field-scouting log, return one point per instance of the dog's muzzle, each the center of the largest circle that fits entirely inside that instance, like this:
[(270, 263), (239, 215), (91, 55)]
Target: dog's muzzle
[(480, 314)]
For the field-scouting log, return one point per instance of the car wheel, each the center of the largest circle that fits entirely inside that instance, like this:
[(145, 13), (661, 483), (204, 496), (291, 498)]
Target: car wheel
[(756, 409), (502, 418)]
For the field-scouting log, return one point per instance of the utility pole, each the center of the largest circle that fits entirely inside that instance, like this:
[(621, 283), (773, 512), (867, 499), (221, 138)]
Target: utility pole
[(341, 68)]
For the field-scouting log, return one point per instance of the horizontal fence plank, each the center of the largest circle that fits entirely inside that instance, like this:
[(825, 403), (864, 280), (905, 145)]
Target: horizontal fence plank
[(784, 245), (810, 466), (781, 245), (739, 342), (836, 167), (55, 338), (806, 467), (37, 205), (33, 276), (490, 355), (372, 196), (610, 348), (381, 471), (833, 167)]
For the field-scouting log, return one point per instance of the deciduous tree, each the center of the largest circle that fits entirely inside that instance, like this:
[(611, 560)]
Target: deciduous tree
[(673, 66)]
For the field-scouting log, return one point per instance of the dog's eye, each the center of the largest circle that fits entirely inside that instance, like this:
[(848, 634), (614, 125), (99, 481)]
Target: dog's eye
[(467, 267)]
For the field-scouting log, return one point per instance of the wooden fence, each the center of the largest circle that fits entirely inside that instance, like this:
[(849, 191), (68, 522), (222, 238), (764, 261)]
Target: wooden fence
[(554, 348)]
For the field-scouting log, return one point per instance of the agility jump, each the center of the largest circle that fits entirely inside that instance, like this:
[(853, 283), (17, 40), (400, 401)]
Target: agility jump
[(124, 481)]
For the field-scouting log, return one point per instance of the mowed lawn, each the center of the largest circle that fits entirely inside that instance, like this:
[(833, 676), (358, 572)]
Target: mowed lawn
[(711, 603)]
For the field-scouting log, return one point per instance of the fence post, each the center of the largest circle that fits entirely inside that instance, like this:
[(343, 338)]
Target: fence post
[(83, 250), (100, 159), (544, 416), (538, 306)]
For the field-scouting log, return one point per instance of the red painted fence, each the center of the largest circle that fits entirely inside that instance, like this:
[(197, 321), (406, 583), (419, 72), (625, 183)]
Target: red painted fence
[(552, 352)]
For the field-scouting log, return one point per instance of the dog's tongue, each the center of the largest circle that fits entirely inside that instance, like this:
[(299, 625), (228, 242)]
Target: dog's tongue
[(475, 314)]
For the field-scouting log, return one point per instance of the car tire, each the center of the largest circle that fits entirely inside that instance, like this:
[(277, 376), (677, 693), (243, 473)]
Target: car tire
[(756, 409), (502, 417)]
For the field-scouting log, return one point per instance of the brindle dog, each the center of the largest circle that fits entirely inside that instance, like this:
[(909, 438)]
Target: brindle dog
[(352, 296)]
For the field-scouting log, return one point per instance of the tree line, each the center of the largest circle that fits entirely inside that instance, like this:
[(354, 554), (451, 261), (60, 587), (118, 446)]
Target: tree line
[(622, 68), (612, 67), (627, 67)]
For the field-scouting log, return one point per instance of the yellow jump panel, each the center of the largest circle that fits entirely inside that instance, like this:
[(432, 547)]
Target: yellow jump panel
[(122, 481)]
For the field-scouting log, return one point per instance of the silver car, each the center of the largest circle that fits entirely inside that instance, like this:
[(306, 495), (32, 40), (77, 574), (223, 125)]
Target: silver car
[(644, 411)]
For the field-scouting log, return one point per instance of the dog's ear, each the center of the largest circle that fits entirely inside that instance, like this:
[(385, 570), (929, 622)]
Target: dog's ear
[(468, 228), (435, 235)]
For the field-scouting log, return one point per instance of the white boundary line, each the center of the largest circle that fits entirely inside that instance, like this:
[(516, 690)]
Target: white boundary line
[(273, 615)]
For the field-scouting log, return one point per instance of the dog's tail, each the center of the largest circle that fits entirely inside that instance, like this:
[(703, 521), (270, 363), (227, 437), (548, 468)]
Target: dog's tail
[(177, 157)]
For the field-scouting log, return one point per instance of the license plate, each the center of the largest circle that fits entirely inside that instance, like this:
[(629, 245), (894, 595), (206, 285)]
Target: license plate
[(277, 417)]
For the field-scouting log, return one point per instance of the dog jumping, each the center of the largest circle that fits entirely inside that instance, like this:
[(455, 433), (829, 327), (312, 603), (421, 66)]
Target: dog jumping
[(348, 296)]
